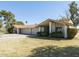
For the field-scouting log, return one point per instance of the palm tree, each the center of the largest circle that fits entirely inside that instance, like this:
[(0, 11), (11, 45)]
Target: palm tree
[(26, 22)]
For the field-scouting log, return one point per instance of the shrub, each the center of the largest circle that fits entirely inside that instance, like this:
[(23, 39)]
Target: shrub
[(42, 33), (39, 33), (72, 32), (10, 30), (57, 34)]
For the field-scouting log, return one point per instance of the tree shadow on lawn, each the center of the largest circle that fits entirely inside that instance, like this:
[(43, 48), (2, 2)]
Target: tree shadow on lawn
[(54, 51), (47, 38)]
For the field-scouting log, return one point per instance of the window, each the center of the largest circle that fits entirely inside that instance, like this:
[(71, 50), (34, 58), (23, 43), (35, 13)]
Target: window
[(58, 29)]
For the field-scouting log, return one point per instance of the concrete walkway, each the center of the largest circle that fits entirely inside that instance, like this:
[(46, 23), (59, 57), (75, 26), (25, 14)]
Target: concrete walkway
[(12, 36)]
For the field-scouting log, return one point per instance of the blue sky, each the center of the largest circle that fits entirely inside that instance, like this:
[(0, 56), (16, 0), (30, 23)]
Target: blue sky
[(35, 11)]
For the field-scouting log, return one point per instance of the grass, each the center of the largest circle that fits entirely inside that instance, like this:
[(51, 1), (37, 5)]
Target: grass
[(34, 47), (54, 51)]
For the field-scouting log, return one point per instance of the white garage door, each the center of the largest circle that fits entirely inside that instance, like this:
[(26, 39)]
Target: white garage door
[(35, 30), (29, 31), (26, 31)]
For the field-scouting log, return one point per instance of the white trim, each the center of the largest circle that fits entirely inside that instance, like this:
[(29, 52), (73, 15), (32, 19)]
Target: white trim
[(17, 31), (39, 29), (50, 27), (65, 31)]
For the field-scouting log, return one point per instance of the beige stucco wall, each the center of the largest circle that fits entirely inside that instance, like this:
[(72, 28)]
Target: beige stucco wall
[(42, 29), (53, 27), (56, 25)]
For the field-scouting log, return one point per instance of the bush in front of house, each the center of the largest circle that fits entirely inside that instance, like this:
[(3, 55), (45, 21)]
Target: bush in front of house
[(43, 34), (39, 33), (10, 30), (72, 32), (57, 34)]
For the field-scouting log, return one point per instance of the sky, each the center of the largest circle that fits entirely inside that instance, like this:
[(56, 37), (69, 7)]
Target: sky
[(35, 12)]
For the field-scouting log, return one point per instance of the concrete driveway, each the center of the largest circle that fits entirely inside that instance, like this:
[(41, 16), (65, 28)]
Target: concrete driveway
[(12, 36)]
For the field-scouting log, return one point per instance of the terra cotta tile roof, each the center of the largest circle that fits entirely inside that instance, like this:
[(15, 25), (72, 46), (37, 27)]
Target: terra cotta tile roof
[(25, 26), (63, 22)]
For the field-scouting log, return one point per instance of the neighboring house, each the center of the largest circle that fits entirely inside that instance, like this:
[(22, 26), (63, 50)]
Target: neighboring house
[(77, 26), (48, 25)]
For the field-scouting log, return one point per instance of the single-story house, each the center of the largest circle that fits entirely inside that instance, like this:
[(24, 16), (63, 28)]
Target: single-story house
[(48, 25)]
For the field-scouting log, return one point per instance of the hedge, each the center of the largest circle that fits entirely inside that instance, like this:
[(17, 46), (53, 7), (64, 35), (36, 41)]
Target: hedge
[(44, 34), (57, 34), (72, 32)]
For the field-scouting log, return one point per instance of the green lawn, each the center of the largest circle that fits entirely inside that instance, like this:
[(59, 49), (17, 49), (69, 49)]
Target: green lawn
[(39, 47)]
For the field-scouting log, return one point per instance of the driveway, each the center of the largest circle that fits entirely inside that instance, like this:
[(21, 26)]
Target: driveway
[(24, 45), (12, 36)]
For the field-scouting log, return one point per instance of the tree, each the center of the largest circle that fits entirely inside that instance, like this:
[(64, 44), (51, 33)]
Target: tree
[(8, 17), (67, 15), (73, 9), (19, 23), (0, 23)]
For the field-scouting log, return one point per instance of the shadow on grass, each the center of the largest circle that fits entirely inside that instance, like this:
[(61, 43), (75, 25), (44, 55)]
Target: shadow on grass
[(54, 51), (47, 38)]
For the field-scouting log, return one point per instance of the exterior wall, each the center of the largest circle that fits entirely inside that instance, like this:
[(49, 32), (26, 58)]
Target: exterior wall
[(60, 28), (42, 29), (65, 31), (53, 27), (56, 25)]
